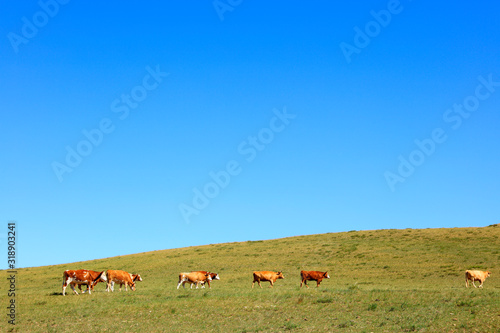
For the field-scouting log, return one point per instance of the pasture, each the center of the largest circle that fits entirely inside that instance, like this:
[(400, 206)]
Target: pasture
[(409, 280)]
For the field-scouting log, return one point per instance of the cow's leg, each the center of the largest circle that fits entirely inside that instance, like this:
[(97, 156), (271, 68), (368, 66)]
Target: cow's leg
[(83, 292), (65, 284), (318, 282), (179, 284), (126, 284), (73, 287), (473, 283), (481, 285), (272, 284), (88, 287)]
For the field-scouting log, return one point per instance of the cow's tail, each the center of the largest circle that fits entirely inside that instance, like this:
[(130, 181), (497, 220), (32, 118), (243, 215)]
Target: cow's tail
[(181, 278), (65, 278)]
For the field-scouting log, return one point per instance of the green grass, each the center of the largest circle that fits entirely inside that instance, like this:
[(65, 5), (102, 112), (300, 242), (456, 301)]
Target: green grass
[(381, 281)]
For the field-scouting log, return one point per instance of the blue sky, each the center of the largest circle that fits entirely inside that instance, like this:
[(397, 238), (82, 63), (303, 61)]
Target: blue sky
[(151, 125)]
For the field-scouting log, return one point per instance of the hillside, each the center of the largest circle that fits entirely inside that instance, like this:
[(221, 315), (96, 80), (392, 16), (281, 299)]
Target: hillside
[(381, 281)]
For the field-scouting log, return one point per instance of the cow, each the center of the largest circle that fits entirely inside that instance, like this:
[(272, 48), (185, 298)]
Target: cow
[(213, 276), (266, 276), (82, 276), (121, 277), (135, 278), (476, 276), (313, 276), (193, 278)]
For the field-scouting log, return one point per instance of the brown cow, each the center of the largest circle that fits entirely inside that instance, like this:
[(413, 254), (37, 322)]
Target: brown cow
[(121, 277), (135, 278), (313, 276), (266, 276), (82, 276), (193, 278), (476, 276), (213, 276)]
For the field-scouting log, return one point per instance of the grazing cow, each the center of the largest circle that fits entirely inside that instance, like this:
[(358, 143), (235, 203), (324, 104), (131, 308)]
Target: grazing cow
[(121, 277), (266, 276), (135, 278), (476, 276), (313, 276), (82, 276), (193, 278), (213, 276)]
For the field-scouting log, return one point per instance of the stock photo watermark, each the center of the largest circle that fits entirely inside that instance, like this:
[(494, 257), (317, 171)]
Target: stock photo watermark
[(363, 36), (95, 136), (222, 6), (453, 116), (31, 26), (11, 271), (249, 150)]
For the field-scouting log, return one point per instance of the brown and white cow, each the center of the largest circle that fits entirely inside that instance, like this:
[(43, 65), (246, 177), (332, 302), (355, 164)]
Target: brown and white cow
[(121, 277), (313, 276), (266, 276), (135, 278), (82, 276), (193, 278), (213, 276), (476, 276)]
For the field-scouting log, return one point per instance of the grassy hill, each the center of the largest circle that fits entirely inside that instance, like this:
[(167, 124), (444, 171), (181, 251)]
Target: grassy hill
[(381, 281)]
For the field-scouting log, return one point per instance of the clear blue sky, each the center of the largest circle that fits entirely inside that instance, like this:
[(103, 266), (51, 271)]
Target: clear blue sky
[(313, 117)]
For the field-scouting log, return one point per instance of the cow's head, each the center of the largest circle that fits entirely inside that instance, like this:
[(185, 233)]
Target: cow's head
[(488, 273), (325, 275), (137, 277), (280, 275), (214, 276)]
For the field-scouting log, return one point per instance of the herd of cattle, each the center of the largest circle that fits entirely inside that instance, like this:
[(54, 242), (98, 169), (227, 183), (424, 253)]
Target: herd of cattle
[(199, 278), (91, 278)]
